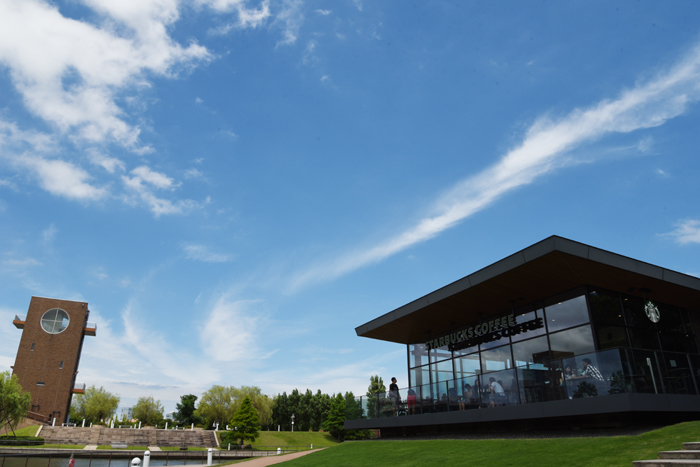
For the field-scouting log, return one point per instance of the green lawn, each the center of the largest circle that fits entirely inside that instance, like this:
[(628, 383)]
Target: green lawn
[(287, 438), (571, 452), (26, 431)]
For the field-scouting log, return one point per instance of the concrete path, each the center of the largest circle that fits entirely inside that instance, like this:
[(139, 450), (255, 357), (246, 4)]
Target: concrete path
[(272, 460), (153, 448), (90, 447)]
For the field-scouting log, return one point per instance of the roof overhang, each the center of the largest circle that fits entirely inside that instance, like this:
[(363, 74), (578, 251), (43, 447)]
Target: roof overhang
[(552, 266)]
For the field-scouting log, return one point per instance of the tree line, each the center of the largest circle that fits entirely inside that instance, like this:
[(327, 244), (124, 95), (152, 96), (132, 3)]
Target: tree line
[(219, 405)]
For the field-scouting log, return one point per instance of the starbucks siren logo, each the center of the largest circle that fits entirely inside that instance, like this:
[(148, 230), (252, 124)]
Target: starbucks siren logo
[(652, 311)]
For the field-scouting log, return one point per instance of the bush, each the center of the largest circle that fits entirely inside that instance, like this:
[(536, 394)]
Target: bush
[(357, 434), (8, 440)]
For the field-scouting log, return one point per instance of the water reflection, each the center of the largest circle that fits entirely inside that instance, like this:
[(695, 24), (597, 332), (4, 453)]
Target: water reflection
[(22, 461)]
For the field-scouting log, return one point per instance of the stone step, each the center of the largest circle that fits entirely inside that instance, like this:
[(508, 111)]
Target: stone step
[(668, 463), (693, 446), (685, 454)]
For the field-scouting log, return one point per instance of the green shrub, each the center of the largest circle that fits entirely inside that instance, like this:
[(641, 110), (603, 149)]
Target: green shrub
[(8, 440)]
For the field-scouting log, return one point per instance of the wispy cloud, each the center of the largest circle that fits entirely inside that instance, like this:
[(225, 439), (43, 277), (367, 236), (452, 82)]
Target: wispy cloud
[(247, 17), (70, 72), (289, 19), (49, 234), (686, 231), (544, 149), (203, 253), (62, 178), (232, 322), (22, 262), (144, 181)]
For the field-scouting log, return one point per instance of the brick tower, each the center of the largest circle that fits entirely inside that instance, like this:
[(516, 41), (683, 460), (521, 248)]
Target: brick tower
[(49, 354)]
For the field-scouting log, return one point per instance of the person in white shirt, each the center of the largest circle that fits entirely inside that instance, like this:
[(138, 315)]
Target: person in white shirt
[(497, 392)]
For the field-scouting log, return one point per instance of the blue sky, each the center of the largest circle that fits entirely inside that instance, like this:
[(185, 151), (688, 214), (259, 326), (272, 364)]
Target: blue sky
[(235, 186)]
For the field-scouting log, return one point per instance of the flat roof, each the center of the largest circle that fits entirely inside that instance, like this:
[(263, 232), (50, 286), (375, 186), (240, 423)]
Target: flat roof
[(549, 267)]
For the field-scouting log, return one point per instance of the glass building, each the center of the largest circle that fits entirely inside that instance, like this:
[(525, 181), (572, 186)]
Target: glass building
[(560, 334)]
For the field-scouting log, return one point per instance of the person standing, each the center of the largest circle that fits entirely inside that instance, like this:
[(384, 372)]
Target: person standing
[(394, 395)]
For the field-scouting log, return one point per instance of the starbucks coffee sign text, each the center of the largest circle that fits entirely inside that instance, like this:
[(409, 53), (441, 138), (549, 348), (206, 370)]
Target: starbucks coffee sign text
[(484, 332)]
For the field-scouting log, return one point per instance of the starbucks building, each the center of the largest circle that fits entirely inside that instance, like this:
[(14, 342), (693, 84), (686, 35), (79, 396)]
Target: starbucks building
[(559, 335)]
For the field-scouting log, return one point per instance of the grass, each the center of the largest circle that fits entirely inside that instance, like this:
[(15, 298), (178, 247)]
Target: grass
[(26, 431), (302, 439), (572, 452), (49, 446)]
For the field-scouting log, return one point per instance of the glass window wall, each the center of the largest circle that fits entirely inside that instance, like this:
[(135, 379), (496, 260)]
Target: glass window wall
[(531, 352), (572, 342), (566, 314), (417, 355), (522, 317), (496, 359)]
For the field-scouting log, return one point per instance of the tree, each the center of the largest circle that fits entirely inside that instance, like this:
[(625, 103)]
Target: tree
[(320, 405), (185, 410), (353, 407), (375, 392), (220, 403), (244, 424), (148, 410), (95, 404), (335, 421), (14, 401), (260, 402), (216, 404)]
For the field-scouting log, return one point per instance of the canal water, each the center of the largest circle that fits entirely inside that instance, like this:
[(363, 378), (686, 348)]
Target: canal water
[(22, 461)]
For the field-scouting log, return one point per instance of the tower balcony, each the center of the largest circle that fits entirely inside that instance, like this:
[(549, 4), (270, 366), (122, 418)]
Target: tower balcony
[(79, 388), (90, 329), (19, 321)]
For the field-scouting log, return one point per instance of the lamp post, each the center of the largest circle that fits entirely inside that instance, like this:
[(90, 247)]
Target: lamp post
[(292, 423)]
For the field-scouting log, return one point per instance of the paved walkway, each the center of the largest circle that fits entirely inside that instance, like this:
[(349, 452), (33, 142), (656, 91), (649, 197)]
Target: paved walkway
[(272, 460), (90, 447)]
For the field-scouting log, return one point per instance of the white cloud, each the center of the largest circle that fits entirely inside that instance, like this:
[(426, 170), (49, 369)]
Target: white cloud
[(234, 324), (193, 173), (140, 187), (156, 179), (544, 149), (62, 178), (157, 359), (110, 164), (309, 55), (247, 17), (21, 262), (70, 72), (686, 231), (202, 253), (323, 12), (49, 233), (289, 20)]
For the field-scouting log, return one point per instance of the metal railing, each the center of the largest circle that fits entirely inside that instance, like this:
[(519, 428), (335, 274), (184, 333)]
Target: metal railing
[(605, 373)]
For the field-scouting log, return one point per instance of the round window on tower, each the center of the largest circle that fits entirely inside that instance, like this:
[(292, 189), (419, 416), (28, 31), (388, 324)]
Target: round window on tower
[(55, 321)]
